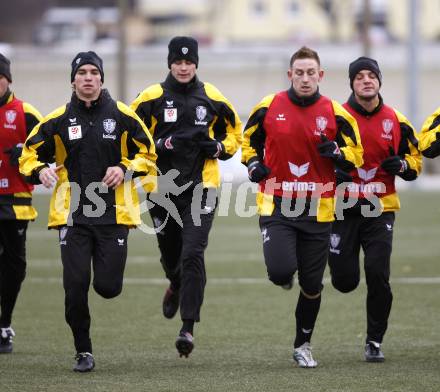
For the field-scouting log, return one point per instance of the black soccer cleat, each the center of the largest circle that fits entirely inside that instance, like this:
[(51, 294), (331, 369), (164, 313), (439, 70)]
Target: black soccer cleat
[(170, 303), (373, 353), (6, 335), (84, 363), (184, 344)]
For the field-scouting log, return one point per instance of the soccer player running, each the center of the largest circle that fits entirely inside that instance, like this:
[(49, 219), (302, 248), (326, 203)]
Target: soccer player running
[(390, 150), (292, 142), (429, 137), (17, 118), (93, 140), (193, 125)]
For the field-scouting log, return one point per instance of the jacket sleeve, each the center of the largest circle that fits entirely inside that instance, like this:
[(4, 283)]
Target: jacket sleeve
[(254, 136), (429, 137), (408, 148), (348, 139), (226, 127), (143, 106), (32, 117), (39, 147), (138, 152)]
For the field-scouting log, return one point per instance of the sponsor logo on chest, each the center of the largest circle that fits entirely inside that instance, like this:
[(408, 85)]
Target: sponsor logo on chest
[(10, 117), (75, 132), (170, 114)]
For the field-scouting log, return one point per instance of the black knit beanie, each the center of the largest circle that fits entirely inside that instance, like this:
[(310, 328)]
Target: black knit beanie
[(83, 58), (183, 48), (363, 63), (5, 68)]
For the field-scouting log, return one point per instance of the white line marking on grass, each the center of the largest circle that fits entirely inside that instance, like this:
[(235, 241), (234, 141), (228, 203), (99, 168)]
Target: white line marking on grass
[(248, 281)]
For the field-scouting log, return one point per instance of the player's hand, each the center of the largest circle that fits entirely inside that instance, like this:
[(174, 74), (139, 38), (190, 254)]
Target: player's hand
[(114, 176), (48, 175), (211, 148), (394, 164), (257, 171), (329, 148), (14, 153)]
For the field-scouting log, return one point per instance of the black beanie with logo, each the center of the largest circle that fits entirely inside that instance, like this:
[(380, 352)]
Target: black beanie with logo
[(83, 58), (5, 68), (364, 63), (183, 48)]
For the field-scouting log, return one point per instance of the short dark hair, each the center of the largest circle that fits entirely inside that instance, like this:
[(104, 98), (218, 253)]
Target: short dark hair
[(305, 53)]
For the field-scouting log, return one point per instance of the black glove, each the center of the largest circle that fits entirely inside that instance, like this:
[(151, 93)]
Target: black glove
[(329, 149), (169, 144), (211, 148), (394, 164), (14, 154), (257, 171)]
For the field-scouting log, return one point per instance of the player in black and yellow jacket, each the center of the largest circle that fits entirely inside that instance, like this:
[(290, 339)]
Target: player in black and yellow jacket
[(94, 141), (193, 125), (17, 119), (429, 137)]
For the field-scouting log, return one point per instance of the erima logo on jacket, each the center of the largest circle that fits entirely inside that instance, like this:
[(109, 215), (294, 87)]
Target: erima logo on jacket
[(366, 175), (298, 171)]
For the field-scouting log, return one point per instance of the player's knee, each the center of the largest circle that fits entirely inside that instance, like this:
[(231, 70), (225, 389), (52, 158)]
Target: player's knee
[(344, 283), (280, 278), (108, 290), (311, 293)]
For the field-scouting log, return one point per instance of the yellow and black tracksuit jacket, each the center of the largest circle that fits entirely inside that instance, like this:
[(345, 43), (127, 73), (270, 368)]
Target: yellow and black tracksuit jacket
[(86, 141), (283, 132), (191, 112), (17, 119), (429, 137)]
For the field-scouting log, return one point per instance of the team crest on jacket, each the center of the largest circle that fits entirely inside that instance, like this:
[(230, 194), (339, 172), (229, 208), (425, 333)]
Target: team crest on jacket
[(109, 127), (201, 114), (387, 126), (10, 115), (321, 125), (335, 239)]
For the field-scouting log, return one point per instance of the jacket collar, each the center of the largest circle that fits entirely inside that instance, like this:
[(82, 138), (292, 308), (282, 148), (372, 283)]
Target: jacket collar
[(360, 109), (172, 84), (303, 101)]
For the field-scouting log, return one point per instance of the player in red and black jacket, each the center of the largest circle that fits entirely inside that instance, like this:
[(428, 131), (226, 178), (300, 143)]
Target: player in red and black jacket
[(17, 118), (292, 142), (390, 150)]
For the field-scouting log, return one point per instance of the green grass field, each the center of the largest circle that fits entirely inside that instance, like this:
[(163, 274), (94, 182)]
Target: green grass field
[(244, 341)]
